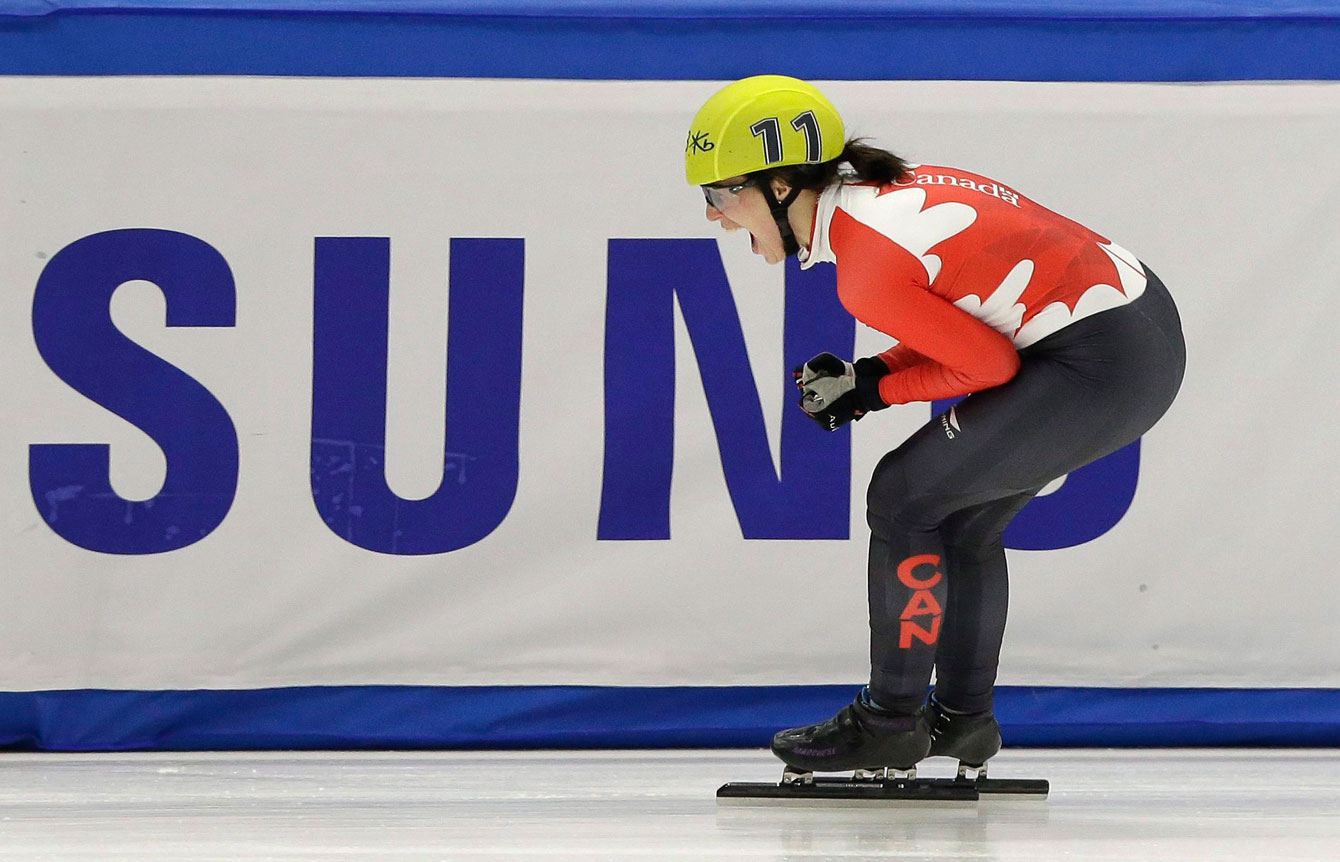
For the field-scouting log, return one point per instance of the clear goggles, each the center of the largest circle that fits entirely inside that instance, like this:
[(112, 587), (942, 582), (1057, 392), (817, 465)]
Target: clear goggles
[(724, 197)]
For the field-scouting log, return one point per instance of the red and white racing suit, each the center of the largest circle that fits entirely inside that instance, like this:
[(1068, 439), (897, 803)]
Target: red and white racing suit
[(1069, 349)]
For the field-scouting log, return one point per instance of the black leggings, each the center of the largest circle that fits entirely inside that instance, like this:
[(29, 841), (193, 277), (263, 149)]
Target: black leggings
[(939, 503)]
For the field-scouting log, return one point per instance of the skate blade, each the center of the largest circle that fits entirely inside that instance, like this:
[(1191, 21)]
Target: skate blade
[(1038, 787), (861, 788), (878, 791)]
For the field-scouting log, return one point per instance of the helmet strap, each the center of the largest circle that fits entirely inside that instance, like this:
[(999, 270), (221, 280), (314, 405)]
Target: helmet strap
[(779, 214)]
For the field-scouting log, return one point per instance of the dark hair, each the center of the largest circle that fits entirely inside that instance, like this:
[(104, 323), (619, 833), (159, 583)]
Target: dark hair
[(871, 164)]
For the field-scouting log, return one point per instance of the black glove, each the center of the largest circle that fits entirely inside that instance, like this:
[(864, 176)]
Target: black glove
[(834, 392)]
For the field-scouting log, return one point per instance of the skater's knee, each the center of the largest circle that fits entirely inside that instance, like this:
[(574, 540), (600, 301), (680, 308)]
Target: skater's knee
[(893, 504), (972, 550), (900, 517)]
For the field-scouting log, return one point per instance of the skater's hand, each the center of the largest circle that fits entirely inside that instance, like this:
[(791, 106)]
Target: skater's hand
[(834, 392), (823, 365)]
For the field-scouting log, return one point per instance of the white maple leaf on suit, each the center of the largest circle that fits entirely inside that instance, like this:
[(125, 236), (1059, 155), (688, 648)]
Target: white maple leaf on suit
[(1002, 310), (1095, 298), (903, 217), (900, 216)]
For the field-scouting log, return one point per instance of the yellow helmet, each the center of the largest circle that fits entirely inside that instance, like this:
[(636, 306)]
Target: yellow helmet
[(766, 121)]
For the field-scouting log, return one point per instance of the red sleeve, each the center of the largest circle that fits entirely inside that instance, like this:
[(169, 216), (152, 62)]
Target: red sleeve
[(901, 356), (884, 286)]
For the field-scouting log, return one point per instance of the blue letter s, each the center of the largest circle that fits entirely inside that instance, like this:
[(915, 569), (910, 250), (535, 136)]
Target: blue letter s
[(74, 332)]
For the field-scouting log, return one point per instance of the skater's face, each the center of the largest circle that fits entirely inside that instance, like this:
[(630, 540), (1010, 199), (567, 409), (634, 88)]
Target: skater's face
[(739, 203)]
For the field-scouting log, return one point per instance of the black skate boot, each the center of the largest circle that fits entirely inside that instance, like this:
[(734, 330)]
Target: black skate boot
[(972, 738), (857, 738), (883, 751)]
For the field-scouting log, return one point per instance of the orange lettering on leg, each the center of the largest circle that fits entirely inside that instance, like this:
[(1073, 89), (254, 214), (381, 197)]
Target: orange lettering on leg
[(911, 630), (909, 580), (923, 603)]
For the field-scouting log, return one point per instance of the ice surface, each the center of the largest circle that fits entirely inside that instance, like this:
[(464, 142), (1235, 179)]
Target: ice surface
[(628, 805)]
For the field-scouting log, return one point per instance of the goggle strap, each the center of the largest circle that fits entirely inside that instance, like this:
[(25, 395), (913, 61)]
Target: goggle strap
[(779, 209)]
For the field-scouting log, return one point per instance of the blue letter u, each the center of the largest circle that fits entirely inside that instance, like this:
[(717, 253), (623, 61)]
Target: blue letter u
[(480, 463)]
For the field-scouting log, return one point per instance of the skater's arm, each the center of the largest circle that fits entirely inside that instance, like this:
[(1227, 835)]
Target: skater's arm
[(900, 357), (885, 287)]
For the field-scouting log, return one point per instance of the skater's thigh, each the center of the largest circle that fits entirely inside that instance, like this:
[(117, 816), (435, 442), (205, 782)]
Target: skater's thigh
[(997, 443)]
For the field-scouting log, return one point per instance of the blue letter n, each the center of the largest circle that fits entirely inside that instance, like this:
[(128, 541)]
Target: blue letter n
[(811, 499)]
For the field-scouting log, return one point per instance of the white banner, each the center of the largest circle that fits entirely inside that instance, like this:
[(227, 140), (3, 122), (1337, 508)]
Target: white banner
[(1218, 574)]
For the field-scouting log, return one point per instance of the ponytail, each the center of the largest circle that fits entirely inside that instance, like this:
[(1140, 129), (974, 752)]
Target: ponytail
[(871, 164)]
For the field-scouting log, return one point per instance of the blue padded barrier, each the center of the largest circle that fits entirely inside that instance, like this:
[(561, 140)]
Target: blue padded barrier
[(1041, 40), (424, 717)]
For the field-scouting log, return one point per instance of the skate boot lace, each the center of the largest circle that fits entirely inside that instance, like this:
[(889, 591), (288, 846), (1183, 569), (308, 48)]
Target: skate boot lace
[(940, 726)]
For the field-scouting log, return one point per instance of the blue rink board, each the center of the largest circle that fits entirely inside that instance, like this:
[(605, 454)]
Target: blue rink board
[(410, 717), (1032, 40)]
